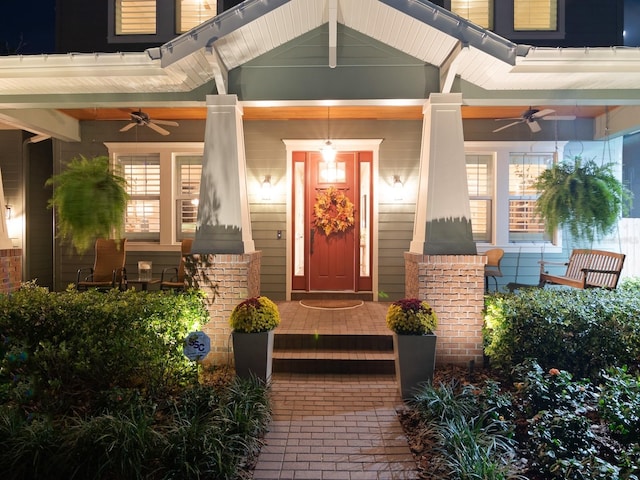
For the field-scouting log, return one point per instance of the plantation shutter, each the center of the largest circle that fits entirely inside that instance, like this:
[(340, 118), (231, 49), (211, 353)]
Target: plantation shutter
[(142, 219), (480, 182), (191, 13), (535, 15), (135, 17), (524, 169), (479, 12), (189, 172)]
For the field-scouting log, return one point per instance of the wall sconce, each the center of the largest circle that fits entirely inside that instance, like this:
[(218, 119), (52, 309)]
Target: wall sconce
[(8, 211), (266, 188), (398, 188)]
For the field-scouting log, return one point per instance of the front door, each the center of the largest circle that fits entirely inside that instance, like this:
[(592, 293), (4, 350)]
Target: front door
[(330, 226), (332, 222)]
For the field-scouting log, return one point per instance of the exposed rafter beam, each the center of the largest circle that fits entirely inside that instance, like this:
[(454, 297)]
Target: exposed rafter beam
[(43, 122), (333, 33)]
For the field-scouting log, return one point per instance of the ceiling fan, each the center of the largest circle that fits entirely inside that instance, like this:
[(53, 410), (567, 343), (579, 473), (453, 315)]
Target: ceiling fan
[(140, 118), (531, 117)]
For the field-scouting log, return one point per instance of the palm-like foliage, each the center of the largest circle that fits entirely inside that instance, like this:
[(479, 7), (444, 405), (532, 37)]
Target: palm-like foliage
[(583, 196), (90, 201)]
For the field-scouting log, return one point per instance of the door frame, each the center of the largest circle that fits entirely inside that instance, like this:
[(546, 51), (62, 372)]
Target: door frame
[(361, 144)]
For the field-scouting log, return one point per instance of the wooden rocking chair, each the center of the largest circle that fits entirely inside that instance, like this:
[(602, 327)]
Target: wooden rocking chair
[(108, 270)]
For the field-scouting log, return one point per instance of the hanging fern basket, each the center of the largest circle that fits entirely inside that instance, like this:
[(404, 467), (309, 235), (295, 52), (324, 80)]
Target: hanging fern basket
[(90, 201), (583, 196)]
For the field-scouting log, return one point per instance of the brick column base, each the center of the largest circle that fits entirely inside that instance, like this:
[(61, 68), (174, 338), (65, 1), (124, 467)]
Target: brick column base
[(454, 287), (10, 270), (226, 279)]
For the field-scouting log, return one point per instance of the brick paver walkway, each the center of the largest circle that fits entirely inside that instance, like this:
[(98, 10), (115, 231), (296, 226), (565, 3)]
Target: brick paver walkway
[(335, 426)]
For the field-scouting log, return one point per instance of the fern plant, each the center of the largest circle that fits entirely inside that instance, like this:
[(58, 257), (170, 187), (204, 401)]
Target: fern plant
[(585, 197), (90, 201)]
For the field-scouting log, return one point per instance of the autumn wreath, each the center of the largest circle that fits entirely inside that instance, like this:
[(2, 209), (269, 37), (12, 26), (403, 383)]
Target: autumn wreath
[(333, 211)]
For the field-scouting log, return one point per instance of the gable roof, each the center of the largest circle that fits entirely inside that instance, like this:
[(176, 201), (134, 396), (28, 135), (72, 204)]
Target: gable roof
[(486, 68)]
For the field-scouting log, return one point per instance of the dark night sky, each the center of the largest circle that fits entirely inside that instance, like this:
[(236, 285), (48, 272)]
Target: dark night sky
[(34, 32), (28, 33)]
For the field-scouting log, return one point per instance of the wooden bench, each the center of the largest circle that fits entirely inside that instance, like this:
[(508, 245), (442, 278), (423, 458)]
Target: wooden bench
[(586, 269)]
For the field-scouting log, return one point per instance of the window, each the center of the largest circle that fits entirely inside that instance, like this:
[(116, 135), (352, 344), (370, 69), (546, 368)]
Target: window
[(135, 17), (191, 13), (480, 180), (524, 169), (538, 15), (142, 173), (479, 12), (163, 181), (189, 171)]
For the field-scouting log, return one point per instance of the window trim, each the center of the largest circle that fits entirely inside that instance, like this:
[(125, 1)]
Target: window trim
[(168, 151), (500, 209), (165, 25)]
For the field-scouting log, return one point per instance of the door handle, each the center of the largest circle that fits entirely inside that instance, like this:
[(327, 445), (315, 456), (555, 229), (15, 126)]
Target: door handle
[(312, 236)]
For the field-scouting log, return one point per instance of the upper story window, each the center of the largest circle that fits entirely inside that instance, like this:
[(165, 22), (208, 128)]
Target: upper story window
[(135, 17), (191, 13), (537, 15), (163, 181), (479, 12)]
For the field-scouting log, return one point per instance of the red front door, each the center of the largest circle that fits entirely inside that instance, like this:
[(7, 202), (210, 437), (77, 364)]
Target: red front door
[(332, 195)]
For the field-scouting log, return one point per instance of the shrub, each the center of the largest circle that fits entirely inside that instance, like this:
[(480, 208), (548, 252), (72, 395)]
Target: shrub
[(60, 350), (619, 403), (581, 331)]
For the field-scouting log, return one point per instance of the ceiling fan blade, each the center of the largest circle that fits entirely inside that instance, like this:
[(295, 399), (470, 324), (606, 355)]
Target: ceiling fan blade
[(158, 129), (166, 122), (560, 117), (534, 126), (507, 126), (127, 127), (542, 113)]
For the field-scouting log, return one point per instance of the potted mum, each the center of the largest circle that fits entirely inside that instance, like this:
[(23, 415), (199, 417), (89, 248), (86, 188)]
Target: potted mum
[(413, 323), (252, 322)]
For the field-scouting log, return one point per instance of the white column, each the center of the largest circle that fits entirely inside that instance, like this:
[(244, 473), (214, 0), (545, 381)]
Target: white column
[(224, 223), (442, 224)]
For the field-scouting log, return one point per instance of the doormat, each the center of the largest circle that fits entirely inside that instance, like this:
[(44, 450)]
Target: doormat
[(329, 304)]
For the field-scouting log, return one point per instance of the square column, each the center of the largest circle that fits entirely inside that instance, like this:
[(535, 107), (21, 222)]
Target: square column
[(227, 280), (454, 287)]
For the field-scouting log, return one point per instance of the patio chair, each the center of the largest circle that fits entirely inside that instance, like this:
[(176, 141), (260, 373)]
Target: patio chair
[(492, 267), (174, 278), (108, 270)]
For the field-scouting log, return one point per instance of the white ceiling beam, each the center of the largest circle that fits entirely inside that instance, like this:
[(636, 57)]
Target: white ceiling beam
[(220, 71), (333, 33), (43, 122)]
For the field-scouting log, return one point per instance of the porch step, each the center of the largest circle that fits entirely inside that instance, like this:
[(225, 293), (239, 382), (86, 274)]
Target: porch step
[(349, 353)]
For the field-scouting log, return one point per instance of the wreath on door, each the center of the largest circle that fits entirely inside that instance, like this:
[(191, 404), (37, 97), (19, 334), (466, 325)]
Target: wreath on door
[(333, 211)]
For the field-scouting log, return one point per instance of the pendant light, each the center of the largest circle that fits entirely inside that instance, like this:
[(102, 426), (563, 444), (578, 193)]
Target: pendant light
[(328, 151)]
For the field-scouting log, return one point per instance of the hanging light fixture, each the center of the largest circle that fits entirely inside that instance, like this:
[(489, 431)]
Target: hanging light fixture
[(398, 188), (328, 151)]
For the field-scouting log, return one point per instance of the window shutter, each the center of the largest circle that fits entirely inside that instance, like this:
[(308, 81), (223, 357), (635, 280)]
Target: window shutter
[(135, 17)]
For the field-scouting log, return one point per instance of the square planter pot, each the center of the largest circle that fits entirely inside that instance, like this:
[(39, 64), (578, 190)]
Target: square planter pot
[(415, 359), (253, 354)]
